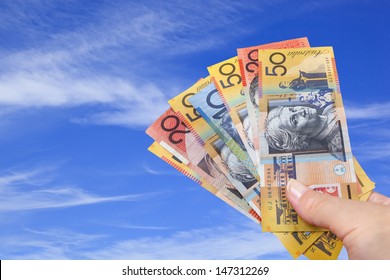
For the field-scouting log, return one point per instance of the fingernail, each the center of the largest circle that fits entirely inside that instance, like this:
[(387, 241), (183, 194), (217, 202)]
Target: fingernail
[(296, 189)]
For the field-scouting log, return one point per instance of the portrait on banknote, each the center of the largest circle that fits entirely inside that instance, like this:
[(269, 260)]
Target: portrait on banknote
[(227, 124), (248, 132), (254, 92), (236, 169), (299, 125), (246, 126)]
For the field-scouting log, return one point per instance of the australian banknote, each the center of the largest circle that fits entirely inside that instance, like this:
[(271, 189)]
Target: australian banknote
[(303, 130), (234, 120), (237, 173), (365, 185), (299, 91), (172, 133), (248, 61), (212, 108)]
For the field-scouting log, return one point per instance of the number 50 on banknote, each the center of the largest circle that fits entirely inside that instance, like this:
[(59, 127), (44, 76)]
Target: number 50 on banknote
[(303, 131)]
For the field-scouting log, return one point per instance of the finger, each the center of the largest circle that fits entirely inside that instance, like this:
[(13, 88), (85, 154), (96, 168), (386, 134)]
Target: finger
[(379, 198), (341, 216)]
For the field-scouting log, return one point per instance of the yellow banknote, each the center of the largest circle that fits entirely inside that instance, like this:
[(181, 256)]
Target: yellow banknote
[(226, 76), (364, 197), (365, 185), (297, 242), (302, 128), (327, 247)]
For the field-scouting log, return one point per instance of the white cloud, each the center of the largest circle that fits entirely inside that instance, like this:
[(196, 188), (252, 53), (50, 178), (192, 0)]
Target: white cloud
[(126, 104), (374, 111), (51, 244), (225, 242), (31, 177), (58, 72), (109, 52), (242, 241), (136, 227), (372, 151), (13, 199), (31, 190)]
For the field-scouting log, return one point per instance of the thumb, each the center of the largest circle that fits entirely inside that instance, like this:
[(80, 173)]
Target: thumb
[(340, 216)]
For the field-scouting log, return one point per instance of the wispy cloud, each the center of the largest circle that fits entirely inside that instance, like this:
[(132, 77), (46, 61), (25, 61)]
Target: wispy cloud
[(136, 227), (225, 242), (242, 241), (373, 111), (376, 130), (64, 235), (32, 177), (113, 57), (32, 190), (55, 243), (372, 151), (14, 200), (105, 62)]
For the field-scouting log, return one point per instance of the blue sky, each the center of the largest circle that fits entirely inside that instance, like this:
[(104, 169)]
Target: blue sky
[(80, 81)]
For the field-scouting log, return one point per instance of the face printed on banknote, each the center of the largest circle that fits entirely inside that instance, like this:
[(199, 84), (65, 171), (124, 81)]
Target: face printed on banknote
[(296, 126)]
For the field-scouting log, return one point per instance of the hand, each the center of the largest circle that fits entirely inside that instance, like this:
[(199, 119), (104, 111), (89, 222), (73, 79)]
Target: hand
[(364, 227)]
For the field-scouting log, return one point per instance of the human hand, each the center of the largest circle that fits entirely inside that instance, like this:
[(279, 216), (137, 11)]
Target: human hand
[(364, 227)]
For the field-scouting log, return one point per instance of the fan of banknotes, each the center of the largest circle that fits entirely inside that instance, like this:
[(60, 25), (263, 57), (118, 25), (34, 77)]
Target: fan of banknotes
[(271, 113)]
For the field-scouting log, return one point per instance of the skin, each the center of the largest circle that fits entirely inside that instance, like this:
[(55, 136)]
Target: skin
[(364, 227)]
